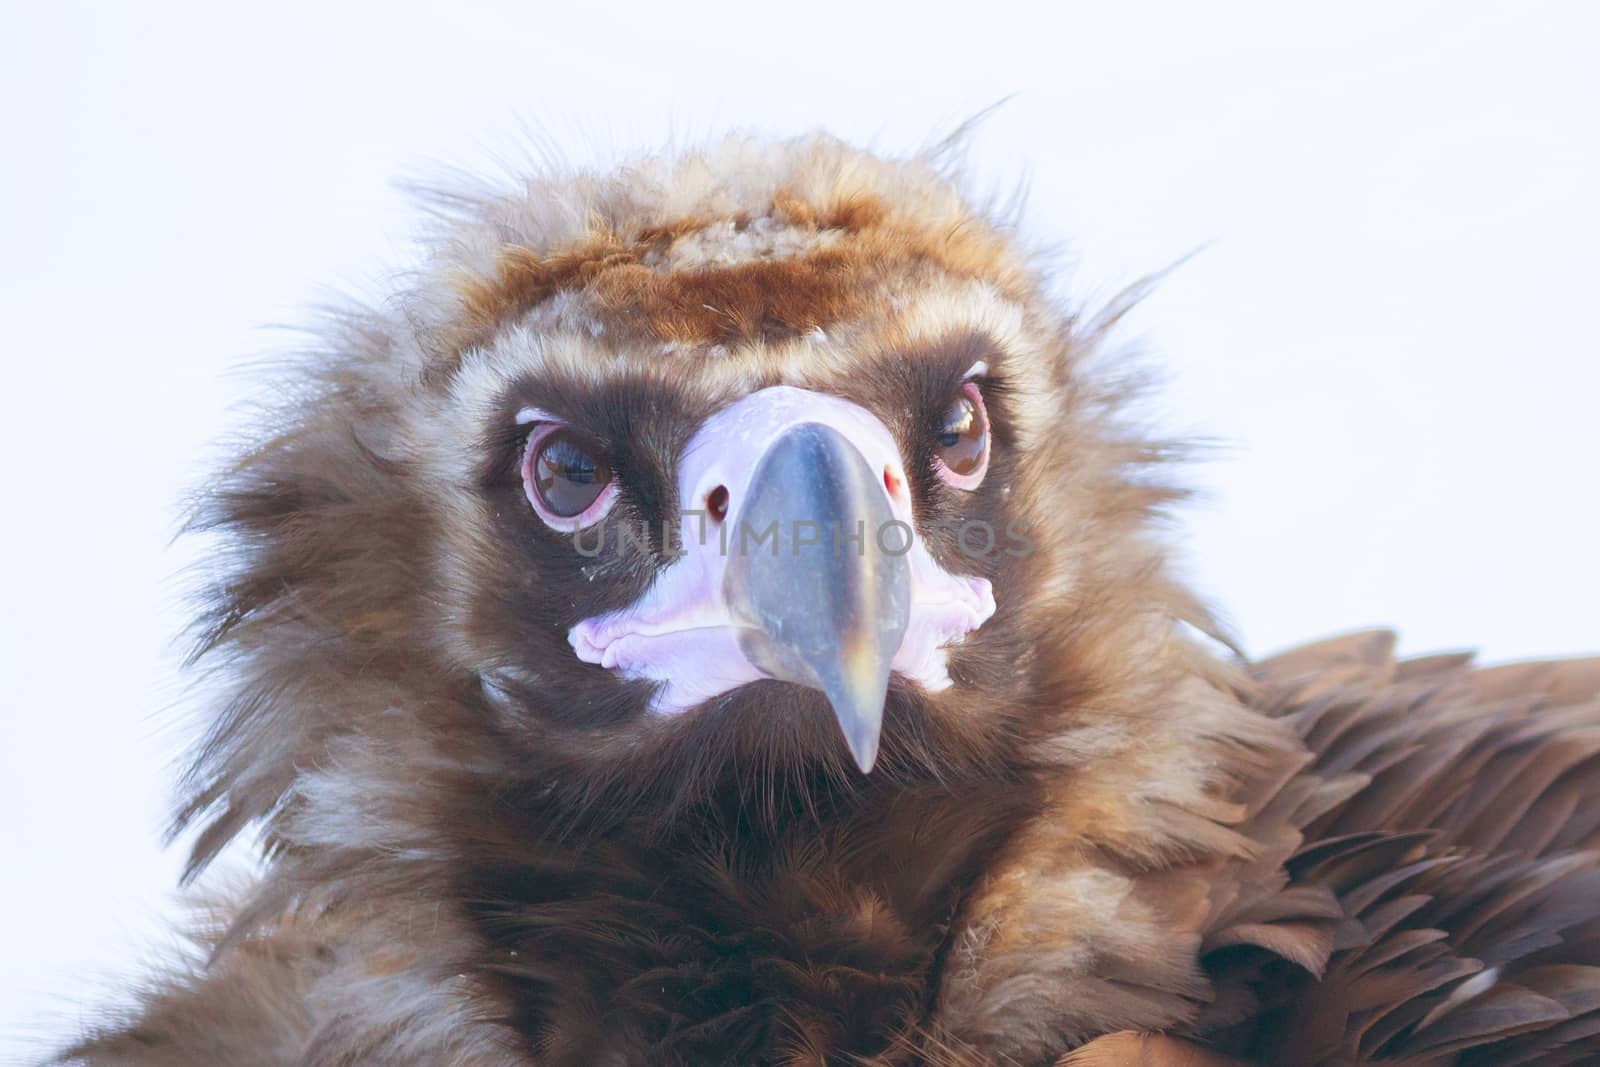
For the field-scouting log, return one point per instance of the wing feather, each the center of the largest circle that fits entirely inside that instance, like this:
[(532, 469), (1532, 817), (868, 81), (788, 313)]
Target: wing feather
[(1452, 815)]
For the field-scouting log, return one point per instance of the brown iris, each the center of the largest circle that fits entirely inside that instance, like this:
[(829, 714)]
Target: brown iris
[(963, 437), (567, 474)]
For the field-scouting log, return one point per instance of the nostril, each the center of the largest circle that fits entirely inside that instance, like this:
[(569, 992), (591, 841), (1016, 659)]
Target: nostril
[(717, 503)]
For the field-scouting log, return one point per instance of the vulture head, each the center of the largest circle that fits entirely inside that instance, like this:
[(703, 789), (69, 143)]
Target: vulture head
[(771, 474)]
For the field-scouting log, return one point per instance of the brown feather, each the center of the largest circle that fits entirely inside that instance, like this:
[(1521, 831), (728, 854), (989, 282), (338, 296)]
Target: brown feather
[(1143, 1050)]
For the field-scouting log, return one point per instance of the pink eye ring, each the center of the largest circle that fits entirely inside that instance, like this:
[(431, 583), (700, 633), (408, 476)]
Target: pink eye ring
[(566, 479), (961, 444)]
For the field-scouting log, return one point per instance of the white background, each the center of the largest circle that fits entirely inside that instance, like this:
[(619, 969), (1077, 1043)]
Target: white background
[(1392, 326)]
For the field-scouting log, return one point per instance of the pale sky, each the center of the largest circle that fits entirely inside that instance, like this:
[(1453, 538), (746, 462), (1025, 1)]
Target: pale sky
[(1390, 328)]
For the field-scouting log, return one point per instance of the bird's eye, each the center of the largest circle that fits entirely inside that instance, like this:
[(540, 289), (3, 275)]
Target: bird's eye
[(567, 480), (961, 446)]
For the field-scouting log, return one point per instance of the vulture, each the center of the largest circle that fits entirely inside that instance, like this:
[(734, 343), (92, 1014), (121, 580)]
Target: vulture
[(719, 611)]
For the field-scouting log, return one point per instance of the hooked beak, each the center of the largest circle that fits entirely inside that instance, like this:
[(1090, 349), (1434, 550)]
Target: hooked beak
[(815, 574), (825, 605)]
